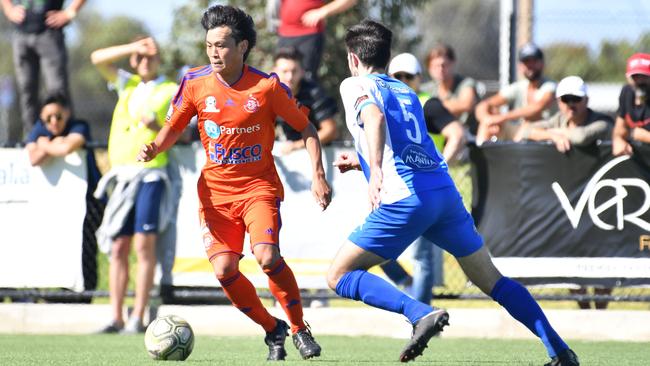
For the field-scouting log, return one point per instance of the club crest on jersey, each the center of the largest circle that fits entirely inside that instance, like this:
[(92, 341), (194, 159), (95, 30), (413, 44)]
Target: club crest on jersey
[(252, 105), (210, 104), (416, 157), (211, 129)]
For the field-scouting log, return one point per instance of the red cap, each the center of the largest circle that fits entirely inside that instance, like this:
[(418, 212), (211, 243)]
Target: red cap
[(638, 63)]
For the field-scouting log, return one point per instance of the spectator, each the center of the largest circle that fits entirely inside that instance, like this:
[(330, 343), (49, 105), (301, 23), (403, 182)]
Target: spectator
[(528, 100), (139, 206), (633, 116), (457, 92), (322, 108), (56, 134), (446, 130), (38, 44), (575, 123), (301, 24)]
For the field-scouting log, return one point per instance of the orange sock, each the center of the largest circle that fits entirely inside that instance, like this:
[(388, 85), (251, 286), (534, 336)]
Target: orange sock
[(284, 288), (242, 295)]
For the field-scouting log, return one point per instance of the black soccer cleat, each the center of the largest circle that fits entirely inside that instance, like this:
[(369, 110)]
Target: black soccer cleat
[(425, 328), (306, 344), (565, 358), (275, 341)]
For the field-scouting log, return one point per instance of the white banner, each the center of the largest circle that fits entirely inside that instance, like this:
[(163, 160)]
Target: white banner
[(309, 238), (41, 218)]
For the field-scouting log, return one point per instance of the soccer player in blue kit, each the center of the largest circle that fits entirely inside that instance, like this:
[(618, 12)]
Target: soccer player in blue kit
[(411, 194)]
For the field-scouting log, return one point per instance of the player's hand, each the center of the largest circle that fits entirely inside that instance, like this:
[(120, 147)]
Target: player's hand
[(346, 162), (321, 191), (148, 152), (57, 19), (374, 188), (15, 14), (146, 47)]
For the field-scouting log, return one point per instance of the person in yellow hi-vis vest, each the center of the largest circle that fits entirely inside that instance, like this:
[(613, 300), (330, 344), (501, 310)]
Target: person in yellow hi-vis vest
[(448, 135), (140, 206)]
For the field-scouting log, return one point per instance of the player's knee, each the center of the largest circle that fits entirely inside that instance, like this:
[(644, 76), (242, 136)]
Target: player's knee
[(333, 277), (267, 256)]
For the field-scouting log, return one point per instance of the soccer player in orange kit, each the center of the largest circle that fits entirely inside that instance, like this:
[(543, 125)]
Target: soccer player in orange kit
[(239, 189)]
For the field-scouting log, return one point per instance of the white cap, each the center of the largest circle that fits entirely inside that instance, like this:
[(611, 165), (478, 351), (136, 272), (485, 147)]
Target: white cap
[(571, 85), (404, 62)]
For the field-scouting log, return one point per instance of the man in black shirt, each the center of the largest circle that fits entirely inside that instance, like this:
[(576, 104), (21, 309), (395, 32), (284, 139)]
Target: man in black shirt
[(633, 116), (322, 108), (38, 45)]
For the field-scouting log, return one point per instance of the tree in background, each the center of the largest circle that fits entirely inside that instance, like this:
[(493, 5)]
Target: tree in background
[(471, 27)]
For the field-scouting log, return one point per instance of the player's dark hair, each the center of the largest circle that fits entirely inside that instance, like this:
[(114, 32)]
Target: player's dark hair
[(56, 98), (240, 23), (289, 53), (370, 41)]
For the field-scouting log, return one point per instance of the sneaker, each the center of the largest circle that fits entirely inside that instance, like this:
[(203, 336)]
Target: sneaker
[(565, 358), (112, 328), (275, 341), (425, 328), (306, 344), (133, 326)]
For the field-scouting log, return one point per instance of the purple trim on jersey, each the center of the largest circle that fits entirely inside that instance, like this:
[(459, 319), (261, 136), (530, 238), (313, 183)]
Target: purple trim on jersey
[(258, 72), (204, 71), (286, 88)]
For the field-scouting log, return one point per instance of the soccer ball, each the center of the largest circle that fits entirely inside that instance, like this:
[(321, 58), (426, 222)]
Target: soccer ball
[(169, 337)]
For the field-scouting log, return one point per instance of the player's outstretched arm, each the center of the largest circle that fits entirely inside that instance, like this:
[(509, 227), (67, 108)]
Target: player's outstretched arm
[(375, 128), (165, 139), (320, 189)]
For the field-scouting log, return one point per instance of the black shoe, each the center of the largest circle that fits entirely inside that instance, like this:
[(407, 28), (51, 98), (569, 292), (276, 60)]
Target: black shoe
[(565, 358), (425, 328), (275, 341), (306, 344), (112, 328)]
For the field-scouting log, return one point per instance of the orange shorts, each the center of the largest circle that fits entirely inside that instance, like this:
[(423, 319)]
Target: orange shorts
[(223, 227)]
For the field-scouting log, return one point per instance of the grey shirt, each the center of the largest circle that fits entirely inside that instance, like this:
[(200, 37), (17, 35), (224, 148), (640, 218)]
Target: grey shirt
[(596, 126)]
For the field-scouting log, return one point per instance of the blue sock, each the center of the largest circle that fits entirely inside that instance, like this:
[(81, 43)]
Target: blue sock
[(521, 305), (373, 290)]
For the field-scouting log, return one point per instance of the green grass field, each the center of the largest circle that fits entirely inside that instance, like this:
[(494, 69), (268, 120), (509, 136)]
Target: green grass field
[(129, 350)]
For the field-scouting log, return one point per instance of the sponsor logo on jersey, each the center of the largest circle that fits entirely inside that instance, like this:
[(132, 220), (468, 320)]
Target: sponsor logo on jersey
[(210, 104), (252, 105), (221, 154), (418, 158), (230, 103), (211, 129)]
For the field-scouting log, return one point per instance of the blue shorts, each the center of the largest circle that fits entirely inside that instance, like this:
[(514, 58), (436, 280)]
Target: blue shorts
[(143, 217), (438, 215)]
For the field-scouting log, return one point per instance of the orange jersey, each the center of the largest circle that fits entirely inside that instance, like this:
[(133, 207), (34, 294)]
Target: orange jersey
[(237, 128)]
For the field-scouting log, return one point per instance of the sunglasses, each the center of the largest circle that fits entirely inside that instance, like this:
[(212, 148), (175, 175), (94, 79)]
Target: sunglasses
[(56, 116), (403, 76), (571, 99)]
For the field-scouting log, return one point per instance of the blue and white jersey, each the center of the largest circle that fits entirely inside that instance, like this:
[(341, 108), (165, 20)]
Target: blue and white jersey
[(411, 162)]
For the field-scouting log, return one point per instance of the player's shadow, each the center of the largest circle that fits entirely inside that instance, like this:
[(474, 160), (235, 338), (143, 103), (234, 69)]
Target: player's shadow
[(294, 179)]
